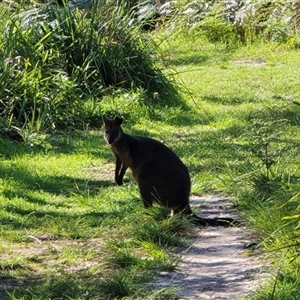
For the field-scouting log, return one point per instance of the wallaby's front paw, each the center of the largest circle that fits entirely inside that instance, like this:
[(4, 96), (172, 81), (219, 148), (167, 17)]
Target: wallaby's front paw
[(119, 181)]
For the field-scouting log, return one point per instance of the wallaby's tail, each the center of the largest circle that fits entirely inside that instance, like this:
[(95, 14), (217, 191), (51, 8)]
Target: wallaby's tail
[(226, 222)]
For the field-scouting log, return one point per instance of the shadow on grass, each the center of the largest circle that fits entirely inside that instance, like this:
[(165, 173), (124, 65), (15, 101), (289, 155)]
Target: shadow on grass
[(23, 180), (80, 284), (290, 114), (29, 197), (91, 142), (228, 100), (188, 117), (287, 111), (190, 59)]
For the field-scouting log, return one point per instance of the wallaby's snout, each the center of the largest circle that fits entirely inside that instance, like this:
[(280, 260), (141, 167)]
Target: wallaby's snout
[(110, 136)]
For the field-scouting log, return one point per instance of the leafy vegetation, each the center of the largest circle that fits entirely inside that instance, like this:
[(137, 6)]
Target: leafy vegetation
[(234, 21), (57, 63), (67, 232)]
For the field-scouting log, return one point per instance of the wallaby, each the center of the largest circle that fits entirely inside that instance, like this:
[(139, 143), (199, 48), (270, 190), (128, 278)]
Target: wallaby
[(160, 174)]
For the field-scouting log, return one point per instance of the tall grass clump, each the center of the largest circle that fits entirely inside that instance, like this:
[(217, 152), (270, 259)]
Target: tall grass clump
[(267, 189), (55, 60), (236, 21), (283, 244)]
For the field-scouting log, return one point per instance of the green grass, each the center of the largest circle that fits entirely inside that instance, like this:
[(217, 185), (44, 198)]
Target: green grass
[(68, 232)]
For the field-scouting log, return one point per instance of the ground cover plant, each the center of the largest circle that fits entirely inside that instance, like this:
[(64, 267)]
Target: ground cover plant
[(68, 232)]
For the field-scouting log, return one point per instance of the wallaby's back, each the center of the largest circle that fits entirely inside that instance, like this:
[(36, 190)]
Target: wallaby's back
[(160, 174)]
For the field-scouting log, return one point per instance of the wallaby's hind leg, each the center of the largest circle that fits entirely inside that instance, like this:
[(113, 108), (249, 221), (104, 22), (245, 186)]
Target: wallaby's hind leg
[(146, 195), (186, 210), (147, 201), (119, 171)]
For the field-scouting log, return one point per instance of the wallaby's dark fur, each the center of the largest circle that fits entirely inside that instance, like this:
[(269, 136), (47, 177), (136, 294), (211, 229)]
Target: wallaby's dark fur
[(160, 174)]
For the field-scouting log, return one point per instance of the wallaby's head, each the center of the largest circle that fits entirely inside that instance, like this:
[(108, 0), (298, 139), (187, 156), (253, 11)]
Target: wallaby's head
[(112, 129)]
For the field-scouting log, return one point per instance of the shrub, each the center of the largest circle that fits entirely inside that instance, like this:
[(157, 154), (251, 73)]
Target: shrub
[(53, 59)]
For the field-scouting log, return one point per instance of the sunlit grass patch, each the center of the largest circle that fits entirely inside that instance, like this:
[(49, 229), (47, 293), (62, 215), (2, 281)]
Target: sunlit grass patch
[(80, 236)]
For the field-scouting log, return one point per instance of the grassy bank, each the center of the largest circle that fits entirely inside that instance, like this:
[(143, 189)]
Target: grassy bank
[(67, 231), (244, 140)]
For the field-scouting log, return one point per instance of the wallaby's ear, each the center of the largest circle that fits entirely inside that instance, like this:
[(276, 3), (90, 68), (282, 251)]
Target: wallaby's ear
[(118, 120), (105, 119)]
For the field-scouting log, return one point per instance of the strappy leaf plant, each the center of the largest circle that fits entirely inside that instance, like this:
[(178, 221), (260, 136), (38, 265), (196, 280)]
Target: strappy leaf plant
[(54, 59)]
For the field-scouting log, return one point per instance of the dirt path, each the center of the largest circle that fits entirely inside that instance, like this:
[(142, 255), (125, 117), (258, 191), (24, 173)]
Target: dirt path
[(219, 264)]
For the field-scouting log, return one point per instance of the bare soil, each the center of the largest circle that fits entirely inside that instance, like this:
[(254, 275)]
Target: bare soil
[(221, 263)]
